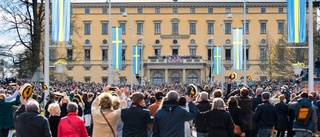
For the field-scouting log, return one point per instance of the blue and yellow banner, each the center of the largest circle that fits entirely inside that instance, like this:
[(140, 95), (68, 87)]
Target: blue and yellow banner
[(237, 48), (296, 20), (61, 20), (136, 59), (117, 47), (217, 60)]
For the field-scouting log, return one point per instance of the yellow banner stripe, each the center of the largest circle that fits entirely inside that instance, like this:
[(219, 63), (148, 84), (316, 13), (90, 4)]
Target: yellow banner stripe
[(61, 20), (136, 59), (117, 49), (296, 21), (237, 51)]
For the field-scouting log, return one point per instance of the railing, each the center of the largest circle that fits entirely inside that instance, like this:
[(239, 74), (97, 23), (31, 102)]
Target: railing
[(175, 61)]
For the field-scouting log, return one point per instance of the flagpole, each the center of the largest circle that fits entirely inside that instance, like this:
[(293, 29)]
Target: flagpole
[(110, 77), (131, 52), (141, 56), (211, 69), (244, 43), (46, 47), (310, 44)]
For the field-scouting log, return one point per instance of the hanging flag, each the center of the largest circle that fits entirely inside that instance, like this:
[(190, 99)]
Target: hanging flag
[(117, 47), (296, 20), (217, 60), (136, 59), (237, 48), (61, 20)]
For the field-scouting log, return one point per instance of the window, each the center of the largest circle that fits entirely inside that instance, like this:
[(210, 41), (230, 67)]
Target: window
[(104, 79), (104, 28), (157, 41), (157, 52), (87, 54), (174, 10), (247, 54), (87, 28), (71, 28), (192, 41), (228, 41), (210, 52), (192, 78), (228, 54), (192, 28), (263, 54), (139, 28), (157, 28), (52, 55), (175, 41), (139, 10), (104, 41), (69, 68), (123, 26), (175, 28), (123, 80), (263, 27), (247, 27), (193, 52), (247, 10), (210, 28), (192, 10), (123, 54), (104, 10), (157, 10), (280, 10), (210, 10), (87, 79), (280, 27), (87, 10), (157, 78), (122, 9), (87, 42), (104, 54), (228, 10), (263, 10), (228, 28), (69, 54), (281, 54), (175, 52)]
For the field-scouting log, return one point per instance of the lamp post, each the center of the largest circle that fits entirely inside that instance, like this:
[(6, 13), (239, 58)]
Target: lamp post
[(46, 48), (141, 72), (222, 41), (211, 69), (244, 42), (310, 46), (110, 77)]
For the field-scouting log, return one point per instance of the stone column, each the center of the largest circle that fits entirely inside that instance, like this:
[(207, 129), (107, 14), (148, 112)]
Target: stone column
[(166, 75), (184, 75), (148, 74)]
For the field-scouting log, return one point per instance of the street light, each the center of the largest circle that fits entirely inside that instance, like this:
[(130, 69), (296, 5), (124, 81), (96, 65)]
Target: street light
[(110, 79), (244, 42), (211, 69), (222, 41)]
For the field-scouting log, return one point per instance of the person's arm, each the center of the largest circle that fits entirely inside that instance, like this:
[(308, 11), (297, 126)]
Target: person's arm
[(292, 104), (201, 89), (233, 93), (14, 95), (46, 128), (16, 101), (83, 129), (192, 112)]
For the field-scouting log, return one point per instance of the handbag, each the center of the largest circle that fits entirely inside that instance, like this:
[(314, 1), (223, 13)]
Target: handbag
[(78, 133), (237, 130), (108, 124)]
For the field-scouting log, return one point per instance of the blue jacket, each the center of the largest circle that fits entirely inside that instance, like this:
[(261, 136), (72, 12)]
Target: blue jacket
[(169, 120), (6, 114), (312, 123)]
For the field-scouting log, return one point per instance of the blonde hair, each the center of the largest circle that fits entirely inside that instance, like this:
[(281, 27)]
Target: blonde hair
[(54, 109), (105, 101), (115, 102), (202, 96), (218, 104)]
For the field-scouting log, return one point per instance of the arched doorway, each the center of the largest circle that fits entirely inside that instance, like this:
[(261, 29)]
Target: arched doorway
[(192, 78), (175, 77), (157, 78)]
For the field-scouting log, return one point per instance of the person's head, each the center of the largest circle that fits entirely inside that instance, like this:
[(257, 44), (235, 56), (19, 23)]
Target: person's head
[(265, 96), (259, 91), (244, 92), (138, 98), (182, 101), (159, 95), (218, 104), (293, 95), (105, 101), (310, 97), (2, 97), (173, 95), (217, 93), (282, 97), (72, 107), (304, 95), (232, 101), (32, 105), (203, 96), (206, 88), (85, 97), (152, 100), (54, 109)]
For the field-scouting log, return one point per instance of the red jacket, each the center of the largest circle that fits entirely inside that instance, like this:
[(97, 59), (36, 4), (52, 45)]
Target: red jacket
[(66, 130)]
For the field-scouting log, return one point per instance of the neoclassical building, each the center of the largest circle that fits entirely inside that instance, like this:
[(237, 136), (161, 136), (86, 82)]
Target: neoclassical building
[(177, 38)]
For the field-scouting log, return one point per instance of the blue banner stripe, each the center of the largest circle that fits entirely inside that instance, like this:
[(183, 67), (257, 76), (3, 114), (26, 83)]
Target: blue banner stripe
[(61, 20), (217, 60), (117, 47), (296, 21), (136, 59)]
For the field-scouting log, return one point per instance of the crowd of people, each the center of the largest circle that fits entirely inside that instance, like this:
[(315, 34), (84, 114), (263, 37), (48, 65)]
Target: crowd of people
[(168, 110)]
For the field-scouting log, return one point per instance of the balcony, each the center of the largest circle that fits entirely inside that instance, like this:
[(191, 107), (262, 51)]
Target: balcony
[(174, 59)]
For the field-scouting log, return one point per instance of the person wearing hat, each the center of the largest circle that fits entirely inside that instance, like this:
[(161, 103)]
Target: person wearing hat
[(265, 116)]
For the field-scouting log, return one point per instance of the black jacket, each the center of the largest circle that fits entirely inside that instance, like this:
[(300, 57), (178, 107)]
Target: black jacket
[(283, 113), (256, 101), (265, 115), (54, 122), (169, 120), (32, 124), (135, 121), (200, 121), (235, 113), (219, 123)]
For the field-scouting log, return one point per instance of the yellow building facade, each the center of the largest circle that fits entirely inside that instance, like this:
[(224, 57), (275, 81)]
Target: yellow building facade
[(176, 38)]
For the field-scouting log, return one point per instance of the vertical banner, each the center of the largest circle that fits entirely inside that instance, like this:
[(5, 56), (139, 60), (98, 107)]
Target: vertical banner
[(237, 48), (117, 47), (61, 20), (217, 60), (136, 59), (296, 21)]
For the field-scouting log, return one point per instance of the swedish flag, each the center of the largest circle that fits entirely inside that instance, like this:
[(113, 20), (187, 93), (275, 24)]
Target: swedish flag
[(136, 59), (117, 47), (61, 20), (237, 48), (296, 18), (217, 60)]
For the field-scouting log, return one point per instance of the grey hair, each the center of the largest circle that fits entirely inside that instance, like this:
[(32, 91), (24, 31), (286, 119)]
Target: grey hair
[(259, 90), (32, 105), (72, 107), (203, 95), (218, 104), (173, 95)]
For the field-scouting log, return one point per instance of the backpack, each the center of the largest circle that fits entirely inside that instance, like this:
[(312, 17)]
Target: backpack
[(303, 115)]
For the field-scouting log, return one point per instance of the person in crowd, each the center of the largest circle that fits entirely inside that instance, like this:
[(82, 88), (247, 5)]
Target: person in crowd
[(256, 101), (219, 122), (80, 110), (290, 132), (87, 100), (187, 124), (29, 120), (135, 118), (245, 103), (63, 106), (217, 94), (286, 92), (106, 112), (54, 118), (235, 112), (72, 125), (266, 116), (170, 118), (200, 121), (81, 103), (51, 100), (155, 106), (206, 89), (6, 113), (283, 113), (317, 67)]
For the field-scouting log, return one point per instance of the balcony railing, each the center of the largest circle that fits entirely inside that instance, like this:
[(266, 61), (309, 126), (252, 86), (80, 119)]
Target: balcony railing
[(175, 59)]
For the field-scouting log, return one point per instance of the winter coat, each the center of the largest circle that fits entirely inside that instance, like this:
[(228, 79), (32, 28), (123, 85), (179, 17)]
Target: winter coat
[(200, 120), (6, 114), (283, 113), (65, 128), (219, 123), (54, 122), (245, 103), (235, 113)]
